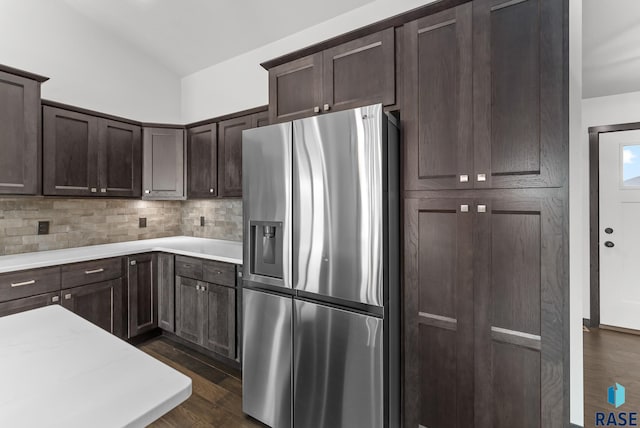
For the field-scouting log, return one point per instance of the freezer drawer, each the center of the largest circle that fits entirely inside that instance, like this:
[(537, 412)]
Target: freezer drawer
[(338, 368), (266, 367)]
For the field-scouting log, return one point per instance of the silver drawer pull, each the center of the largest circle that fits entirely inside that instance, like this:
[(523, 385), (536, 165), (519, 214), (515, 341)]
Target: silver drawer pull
[(218, 272), (67, 296), (54, 299), (20, 284), (89, 272)]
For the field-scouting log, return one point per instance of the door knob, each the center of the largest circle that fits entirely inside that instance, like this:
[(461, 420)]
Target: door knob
[(609, 244), (608, 231)]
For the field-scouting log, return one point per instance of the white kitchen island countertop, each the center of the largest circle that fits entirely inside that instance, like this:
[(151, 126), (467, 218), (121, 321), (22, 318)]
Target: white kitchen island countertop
[(59, 370), (213, 249)]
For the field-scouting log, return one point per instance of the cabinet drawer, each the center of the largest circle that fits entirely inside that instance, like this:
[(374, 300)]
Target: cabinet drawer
[(16, 285), (219, 273), (90, 272), (188, 267), (28, 303)]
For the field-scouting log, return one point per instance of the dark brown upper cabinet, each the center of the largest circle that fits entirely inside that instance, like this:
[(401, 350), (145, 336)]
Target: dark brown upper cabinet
[(119, 158), (70, 153), (484, 105), (230, 154), (20, 172), (360, 72), (519, 114), (353, 74), (202, 162), (89, 156), (438, 110), (295, 89), (163, 172)]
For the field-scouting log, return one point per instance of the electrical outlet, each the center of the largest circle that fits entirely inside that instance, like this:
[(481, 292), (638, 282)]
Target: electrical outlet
[(43, 228), (142, 222), (202, 221)]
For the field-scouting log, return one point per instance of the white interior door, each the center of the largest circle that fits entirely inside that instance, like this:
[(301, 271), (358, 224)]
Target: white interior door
[(620, 229)]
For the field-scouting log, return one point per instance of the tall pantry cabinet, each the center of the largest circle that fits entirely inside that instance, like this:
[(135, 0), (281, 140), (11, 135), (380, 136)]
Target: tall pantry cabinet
[(485, 117)]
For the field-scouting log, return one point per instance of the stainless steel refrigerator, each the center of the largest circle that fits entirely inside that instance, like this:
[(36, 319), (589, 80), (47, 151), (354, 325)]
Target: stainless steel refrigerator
[(321, 277)]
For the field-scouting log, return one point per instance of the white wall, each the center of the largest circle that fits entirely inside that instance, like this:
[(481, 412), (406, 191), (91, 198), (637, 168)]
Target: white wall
[(578, 227), (240, 83), (88, 67)]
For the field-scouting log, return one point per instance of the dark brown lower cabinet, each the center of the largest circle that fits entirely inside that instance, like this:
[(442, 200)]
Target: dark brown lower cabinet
[(142, 294), (28, 303), (166, 292), (206, 314), (100, 303), (485, 282)]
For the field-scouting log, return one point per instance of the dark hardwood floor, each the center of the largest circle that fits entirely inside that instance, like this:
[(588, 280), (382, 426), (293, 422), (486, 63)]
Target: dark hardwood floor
[(610, 357), (216, 400)]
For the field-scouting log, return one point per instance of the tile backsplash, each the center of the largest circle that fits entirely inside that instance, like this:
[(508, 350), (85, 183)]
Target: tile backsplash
[(222, 218), (79, 222)]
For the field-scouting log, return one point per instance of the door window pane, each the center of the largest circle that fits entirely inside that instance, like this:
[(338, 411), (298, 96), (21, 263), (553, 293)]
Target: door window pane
[(631, 166)]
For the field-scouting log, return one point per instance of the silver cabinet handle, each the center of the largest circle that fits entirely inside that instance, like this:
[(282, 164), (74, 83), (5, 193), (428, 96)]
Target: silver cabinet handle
[(132, 262), (89, 272), (20, 284), (54, 299), (326, 107), (67, 296), (482, 208), (103, 190), (212, 190), (464, 208), (147, 191), (93, 190), (482, 177), (316, 109), (464, 178), (203, 288)]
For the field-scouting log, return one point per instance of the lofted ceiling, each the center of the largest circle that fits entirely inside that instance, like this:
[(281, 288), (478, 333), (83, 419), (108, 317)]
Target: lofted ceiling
[(189, 35), (611, 47)]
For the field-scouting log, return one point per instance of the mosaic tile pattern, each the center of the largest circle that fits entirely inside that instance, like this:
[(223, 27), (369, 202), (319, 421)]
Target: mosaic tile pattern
[(223, 219), (80, 222)]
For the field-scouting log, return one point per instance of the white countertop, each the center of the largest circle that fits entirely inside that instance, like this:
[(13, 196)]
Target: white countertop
[(59, 370), (213, 249)]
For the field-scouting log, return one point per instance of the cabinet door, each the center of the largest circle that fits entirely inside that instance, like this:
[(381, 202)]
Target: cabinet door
[(295, 89), (142, 294), (166, 292), (189, 310), (28, 303), (202, 162), (520, 283), (520, 111), (70, 153), (163, 175), (19, 135), (360, 72), (438, 108), (220, 310), (119, 159), (439, 313), (260, 119), (100, 303), (230, 150)]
